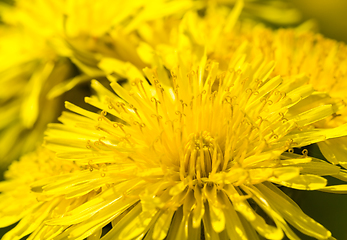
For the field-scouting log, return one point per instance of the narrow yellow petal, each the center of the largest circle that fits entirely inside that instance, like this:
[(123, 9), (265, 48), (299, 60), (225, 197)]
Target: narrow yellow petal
[(303, 182)]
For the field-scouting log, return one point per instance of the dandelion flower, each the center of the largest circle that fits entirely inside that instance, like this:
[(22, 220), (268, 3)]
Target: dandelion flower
[(190, 153)]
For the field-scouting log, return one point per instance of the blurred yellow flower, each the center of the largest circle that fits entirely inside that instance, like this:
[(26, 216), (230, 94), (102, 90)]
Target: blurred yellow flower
[(29, 69)]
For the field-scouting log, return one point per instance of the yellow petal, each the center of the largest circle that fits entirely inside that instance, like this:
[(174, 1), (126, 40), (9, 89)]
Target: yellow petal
[(233, 225), (334, 150), (217, 218), (335, 189), (303, 182), (292, 213), (162, 224)]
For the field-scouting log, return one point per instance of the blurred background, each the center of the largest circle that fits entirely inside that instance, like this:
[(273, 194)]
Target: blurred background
[(330, 15)]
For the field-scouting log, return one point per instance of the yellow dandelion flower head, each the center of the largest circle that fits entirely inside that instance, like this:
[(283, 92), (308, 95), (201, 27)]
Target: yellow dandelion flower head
[(190, 151)]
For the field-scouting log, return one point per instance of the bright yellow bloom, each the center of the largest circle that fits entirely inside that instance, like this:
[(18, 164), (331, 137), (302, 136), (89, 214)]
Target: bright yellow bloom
[(190, 151)]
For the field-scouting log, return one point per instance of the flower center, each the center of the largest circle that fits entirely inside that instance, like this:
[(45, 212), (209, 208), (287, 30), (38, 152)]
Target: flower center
[(202, 156)]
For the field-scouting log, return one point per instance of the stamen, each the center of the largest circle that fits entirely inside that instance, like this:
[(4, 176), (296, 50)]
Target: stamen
[(120, 126), (158, 117), (135, 110), (156, 102), (202, 156)]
